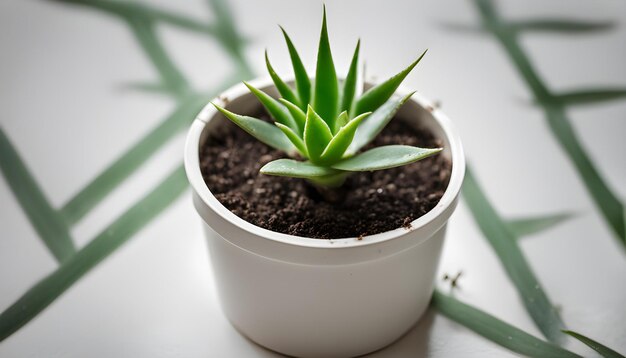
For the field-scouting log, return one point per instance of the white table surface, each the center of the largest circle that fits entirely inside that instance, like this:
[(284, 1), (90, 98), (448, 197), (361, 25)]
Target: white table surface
[(61, 71)]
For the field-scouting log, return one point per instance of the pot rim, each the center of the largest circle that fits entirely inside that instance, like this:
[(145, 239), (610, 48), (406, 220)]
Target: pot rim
[(194, 175)]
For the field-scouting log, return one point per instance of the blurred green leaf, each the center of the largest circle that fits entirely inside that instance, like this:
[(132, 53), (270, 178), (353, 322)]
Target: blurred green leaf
[(375, 123), (379, 94), (340, 142), (296, 113), (558, 26), (388, 156), (532, 225), (294, 138), (128, 9), (296, 169), (495, 330), (349, 85), (105, 182), (285, 91), (261, 130), (604, 351), (38, 297), (462, 28), (303, 82), (591, 96), (317, 135), (273, 107), (147, 87), (171, 76), (48, 223), (228, 35), (326, 96), (561, 26), (506, 247), (142, 19), (610, 205)]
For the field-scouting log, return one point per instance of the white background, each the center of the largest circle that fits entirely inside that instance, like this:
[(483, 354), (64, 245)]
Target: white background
[(62, 69)]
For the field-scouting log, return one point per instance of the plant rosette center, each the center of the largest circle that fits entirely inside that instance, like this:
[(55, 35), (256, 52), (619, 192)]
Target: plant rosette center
[(326, 123)]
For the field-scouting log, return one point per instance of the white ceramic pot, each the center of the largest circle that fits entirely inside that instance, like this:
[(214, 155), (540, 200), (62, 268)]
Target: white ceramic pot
[(322, 298)]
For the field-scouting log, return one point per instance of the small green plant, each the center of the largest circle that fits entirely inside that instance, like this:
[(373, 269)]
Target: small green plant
[(325, 124)]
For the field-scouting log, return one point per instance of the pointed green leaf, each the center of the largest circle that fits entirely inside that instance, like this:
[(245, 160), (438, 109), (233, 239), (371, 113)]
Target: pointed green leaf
[(349, 85), (285, 91), (341, 141), (495, 330), (296, 113), (375, 123), (341, 121), (532, 225), (326, 96), (562, 26), (295, 169), (294, 138), (303, 82), (497, 233), (604, 351), (316, 134), (388, 156), (376, 96), (273, 107), (261, 130), (591, 96)]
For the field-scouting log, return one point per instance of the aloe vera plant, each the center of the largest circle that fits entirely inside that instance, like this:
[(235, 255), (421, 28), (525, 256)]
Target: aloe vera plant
[(323, 121)]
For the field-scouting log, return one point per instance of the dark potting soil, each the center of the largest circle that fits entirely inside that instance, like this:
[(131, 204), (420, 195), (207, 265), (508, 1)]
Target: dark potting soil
[(374, 202)]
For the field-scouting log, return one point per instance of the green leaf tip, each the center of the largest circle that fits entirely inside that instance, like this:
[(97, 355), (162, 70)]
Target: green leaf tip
[(303, 82), (294, 138), (341, 141), (341, 121), (261, 130), (317, 134), (326, 89), (296, 113), (603, 350), (284, 89), (527, 226), (349, 85), (273, 107), (379, 94), (385, 157), (496, 330)]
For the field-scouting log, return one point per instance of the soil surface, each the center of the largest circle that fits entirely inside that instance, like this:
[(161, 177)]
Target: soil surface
[(374, 202)]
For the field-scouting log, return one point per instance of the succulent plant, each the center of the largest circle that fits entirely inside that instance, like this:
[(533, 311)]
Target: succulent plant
[(324, 123)]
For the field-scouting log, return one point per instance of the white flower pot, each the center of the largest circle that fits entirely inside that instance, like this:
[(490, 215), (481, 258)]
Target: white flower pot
[(322, 298)]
